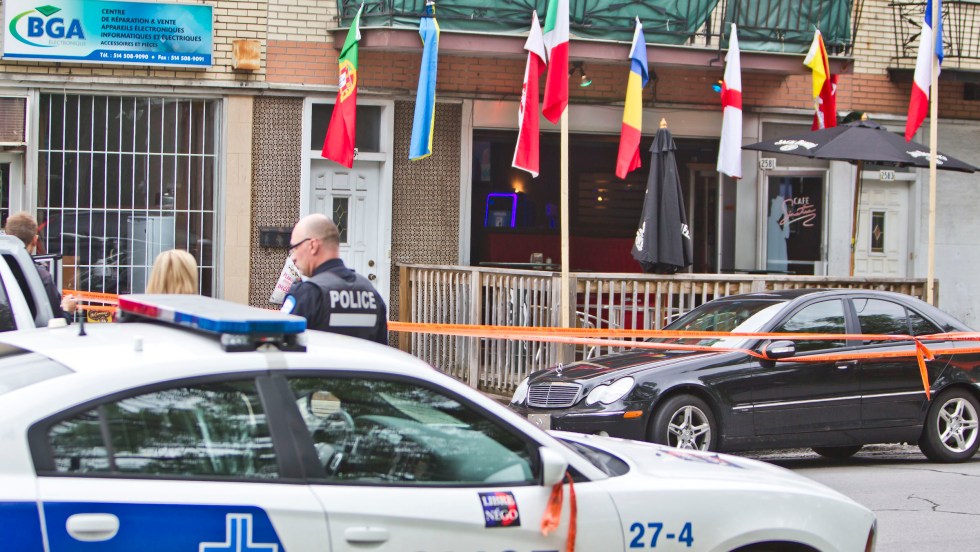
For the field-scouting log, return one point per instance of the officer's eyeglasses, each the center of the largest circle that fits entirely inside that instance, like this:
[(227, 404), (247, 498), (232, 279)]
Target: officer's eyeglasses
[(297, 244)]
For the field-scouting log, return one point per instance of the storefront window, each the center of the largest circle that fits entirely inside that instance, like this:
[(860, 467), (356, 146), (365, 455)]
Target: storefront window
[(794, 225), (121, 179), (516, 219)]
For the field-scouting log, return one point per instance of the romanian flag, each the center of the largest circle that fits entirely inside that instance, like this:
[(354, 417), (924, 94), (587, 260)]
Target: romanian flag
[(629, 137), (930, 47), (556, 42), (339, 143), (730, 148), (528, 134), (824, 85), (425, 99)]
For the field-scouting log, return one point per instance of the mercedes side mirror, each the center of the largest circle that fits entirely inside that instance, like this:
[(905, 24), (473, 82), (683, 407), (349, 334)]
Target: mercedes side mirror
[(779, 349)]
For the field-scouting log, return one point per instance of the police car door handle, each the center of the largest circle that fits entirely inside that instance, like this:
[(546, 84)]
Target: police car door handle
[(92, 527), (366, 535)]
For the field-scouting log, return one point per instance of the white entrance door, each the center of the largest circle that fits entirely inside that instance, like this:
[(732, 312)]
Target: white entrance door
[(351, 198), (883, 230)]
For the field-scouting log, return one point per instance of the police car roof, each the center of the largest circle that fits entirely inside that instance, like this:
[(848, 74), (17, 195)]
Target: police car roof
[(109, 347)]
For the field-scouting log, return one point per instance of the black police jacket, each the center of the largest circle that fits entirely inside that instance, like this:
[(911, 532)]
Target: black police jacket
[(337, 299)]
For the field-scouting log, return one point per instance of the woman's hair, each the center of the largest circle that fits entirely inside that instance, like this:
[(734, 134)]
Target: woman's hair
[(174, 271)]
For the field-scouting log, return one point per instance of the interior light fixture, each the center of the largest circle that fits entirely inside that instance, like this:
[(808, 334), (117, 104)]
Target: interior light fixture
[(580, 67)]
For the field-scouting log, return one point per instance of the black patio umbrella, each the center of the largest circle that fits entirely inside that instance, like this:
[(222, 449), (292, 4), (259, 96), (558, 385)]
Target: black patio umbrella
[(859, 142), (663, 240)]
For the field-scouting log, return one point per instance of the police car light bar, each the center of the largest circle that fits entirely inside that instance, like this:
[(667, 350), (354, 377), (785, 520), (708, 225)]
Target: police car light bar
[(241, 327)]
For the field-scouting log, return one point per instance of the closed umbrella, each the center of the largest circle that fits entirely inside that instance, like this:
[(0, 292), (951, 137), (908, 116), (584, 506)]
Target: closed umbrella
[(859, 142), (663, 240)]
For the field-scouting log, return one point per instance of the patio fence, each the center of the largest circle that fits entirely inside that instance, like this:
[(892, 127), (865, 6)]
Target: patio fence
[(510, 297)]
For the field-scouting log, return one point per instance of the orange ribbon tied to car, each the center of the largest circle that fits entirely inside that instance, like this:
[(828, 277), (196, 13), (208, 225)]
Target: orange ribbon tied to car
[(552, 512), (604, 337)]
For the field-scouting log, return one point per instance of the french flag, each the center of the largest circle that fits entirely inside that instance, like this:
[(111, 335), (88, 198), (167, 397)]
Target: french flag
[(930, 44)]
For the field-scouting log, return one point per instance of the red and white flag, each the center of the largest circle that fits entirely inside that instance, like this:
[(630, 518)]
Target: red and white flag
[(730, 148), (556, 43), (528, 134), (930, 46), (824, 85)]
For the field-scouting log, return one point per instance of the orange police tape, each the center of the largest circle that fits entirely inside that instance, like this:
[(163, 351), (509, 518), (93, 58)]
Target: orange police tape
[(108, 301), (600, 336)]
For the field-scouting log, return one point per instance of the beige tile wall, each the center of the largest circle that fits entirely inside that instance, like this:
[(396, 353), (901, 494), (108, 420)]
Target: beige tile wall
[(237, 199)]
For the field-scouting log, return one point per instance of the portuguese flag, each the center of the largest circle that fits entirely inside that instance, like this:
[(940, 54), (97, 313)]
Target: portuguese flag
[(339, 144)]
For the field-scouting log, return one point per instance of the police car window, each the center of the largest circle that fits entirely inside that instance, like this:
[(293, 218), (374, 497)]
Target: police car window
[(211, 430), (7, 321), (371, 431), (824, 317), (20, 368)]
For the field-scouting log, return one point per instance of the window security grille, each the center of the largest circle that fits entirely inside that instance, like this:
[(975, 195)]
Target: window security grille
[(121, 179)]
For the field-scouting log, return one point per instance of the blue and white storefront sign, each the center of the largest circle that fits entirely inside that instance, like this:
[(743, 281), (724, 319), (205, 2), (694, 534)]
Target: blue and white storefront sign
[(87, 31)]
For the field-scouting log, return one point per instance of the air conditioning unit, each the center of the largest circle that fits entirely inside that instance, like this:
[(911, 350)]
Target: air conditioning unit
[(13, 121)]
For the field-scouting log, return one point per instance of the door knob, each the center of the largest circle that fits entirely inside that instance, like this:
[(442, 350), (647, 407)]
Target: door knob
[(372, 277), (92, 527), (366, 535)]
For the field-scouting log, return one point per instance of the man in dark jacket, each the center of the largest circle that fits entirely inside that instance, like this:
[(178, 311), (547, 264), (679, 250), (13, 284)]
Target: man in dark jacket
[(24, 226), (332, 297)]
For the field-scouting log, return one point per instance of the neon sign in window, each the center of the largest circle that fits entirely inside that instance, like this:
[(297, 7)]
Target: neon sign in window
[(499, 206)]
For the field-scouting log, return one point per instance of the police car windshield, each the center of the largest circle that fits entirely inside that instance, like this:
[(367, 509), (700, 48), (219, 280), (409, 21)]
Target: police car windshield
[(20, 368)]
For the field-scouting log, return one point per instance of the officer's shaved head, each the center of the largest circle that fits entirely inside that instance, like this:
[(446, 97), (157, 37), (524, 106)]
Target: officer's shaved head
[(320, 227), (315, 240)]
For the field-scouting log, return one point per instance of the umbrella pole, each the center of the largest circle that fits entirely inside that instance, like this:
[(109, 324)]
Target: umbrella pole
[(854, 218)]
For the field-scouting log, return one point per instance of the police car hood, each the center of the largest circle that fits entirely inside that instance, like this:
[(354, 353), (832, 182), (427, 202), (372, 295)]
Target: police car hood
[(687, 467)]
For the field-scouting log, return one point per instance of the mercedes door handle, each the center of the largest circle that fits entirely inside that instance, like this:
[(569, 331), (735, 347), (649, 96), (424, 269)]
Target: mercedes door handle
[(845, 364), (366, 535), (92, 527)]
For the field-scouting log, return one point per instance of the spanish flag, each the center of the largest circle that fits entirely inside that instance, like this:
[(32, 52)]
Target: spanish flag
[(824, 85), (629, 137), (339, 143)]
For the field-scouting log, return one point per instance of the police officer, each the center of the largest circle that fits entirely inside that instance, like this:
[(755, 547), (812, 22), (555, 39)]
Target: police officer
[(333, 298)]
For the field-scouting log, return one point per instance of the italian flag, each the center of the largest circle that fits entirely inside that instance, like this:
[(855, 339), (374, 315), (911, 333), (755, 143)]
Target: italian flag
[(556, 44), (339, 143)]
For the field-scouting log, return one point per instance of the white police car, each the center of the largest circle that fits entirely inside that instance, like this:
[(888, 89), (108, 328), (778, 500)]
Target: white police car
[(148, 436)]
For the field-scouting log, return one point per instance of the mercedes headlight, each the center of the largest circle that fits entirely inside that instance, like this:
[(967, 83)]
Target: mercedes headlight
[(520, 393), (610, 392)]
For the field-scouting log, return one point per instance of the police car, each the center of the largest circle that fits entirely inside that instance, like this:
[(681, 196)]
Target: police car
[(201, 425)]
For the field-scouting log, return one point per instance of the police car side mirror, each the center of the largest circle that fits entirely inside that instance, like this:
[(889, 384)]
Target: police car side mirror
[(553, 467)]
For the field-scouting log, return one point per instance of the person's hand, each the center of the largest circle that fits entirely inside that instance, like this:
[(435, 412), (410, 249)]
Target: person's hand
[(69, 304)]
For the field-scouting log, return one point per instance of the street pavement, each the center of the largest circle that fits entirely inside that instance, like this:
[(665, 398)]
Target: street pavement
[(921, 506)]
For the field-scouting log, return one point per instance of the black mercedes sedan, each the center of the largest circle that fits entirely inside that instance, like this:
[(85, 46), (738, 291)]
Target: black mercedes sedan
[(733, 401)]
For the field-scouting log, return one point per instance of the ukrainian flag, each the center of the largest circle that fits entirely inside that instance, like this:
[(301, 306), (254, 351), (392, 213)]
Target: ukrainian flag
[(629, 139), (425, 99)]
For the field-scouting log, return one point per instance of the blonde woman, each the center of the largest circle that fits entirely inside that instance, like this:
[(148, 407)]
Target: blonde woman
[(174, 271)]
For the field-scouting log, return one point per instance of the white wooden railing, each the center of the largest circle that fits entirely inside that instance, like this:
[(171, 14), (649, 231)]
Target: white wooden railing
[(508, 297)]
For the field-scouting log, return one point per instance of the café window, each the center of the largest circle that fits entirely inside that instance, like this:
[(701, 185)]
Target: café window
[(121, 179), (794, 224)]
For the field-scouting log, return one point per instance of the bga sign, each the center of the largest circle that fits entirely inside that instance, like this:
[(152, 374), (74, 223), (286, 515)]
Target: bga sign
[(109, 32)]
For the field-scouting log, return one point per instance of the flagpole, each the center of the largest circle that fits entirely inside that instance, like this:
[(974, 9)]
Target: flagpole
[(933, 138), (565, 223)]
